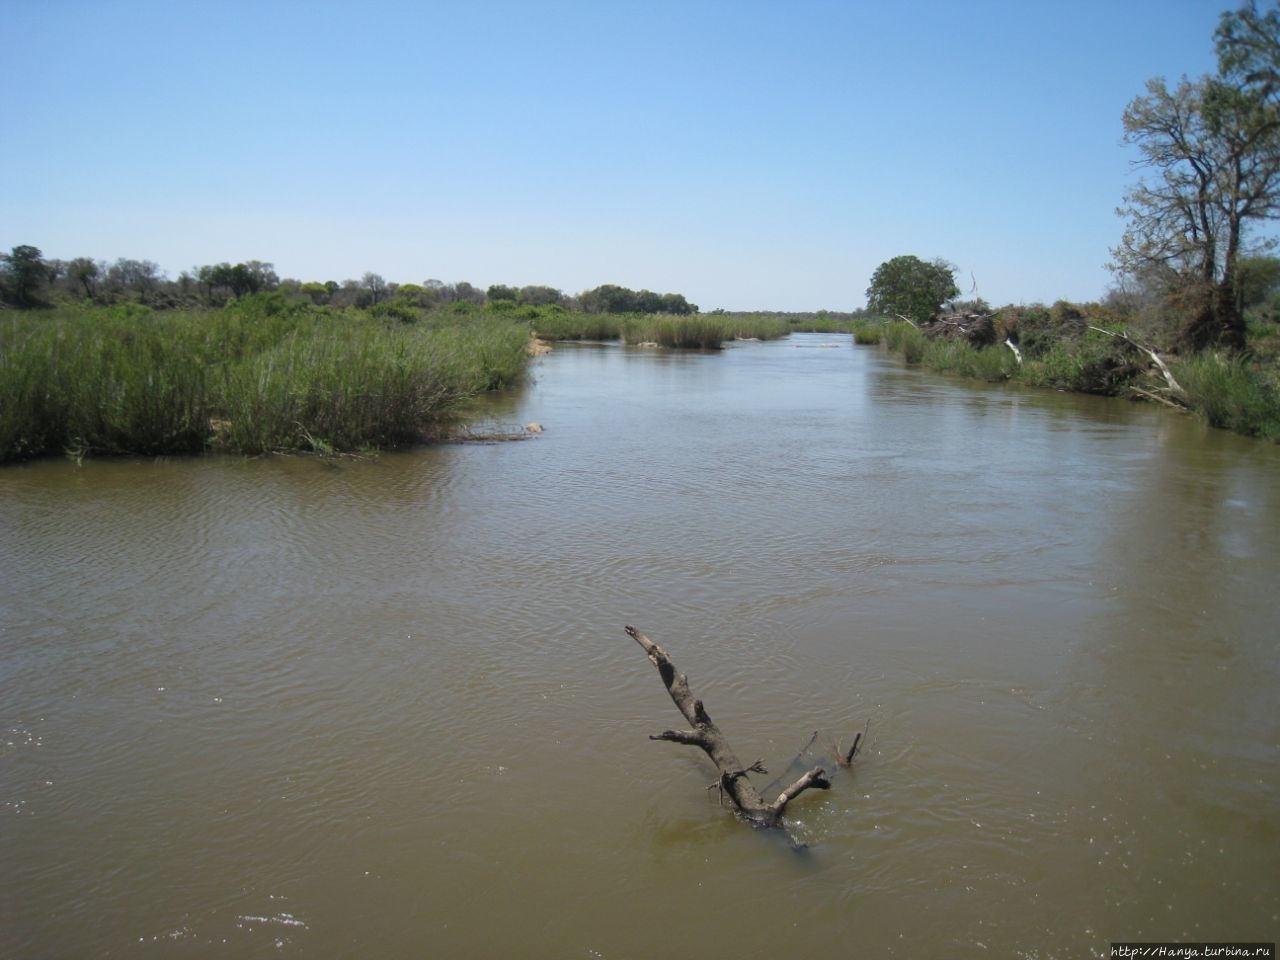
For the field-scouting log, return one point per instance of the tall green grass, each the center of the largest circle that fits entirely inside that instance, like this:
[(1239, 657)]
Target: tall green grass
[(821, 324), (993, 364), (1231, 393), (707, 331), (685, 331), (867, 332), (906, 339), (756, 326), (561, 324), (695, 332), (263, 374)]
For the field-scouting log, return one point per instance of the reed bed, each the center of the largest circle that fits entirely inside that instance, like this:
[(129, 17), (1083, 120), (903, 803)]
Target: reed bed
[(564, 325), (867, 333), (1232, 393), (701, 331), (906, 339), (1240, 393), (992, 364), (264, 374), (755, 326)]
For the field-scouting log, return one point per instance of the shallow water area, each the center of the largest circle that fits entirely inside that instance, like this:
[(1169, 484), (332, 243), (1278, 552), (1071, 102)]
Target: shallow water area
[(292, 706)]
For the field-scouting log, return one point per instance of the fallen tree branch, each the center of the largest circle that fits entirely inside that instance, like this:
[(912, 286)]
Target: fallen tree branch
[(1147, 394), (733, 776), (1142, 348)]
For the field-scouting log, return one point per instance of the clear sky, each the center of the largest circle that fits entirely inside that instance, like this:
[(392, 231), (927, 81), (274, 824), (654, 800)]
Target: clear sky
[(750, 155)]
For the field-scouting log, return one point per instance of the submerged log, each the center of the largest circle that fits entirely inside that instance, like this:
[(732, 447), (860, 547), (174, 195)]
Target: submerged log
[(733, 779)]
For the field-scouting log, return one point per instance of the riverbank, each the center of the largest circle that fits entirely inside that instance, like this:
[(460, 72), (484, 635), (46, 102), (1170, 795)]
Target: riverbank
[(263, 373), (1238, 393)]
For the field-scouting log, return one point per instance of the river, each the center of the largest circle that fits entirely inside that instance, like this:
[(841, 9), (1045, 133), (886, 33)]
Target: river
[(386, 708)]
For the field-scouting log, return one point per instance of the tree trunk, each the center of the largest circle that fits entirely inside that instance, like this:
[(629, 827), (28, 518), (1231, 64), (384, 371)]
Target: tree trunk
[(1229, 320), (733, 776)]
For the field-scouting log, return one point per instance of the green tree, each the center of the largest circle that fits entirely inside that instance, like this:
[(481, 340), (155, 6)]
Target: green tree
[(1212, 147), (85, 272), (1257, 280), (909, 287), (24, 274), (539, 296), (315, 290), (676, 303)]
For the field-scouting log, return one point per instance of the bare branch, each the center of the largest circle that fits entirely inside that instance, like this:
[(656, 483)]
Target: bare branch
[(1164, 370), (815, 779), (734, 777)]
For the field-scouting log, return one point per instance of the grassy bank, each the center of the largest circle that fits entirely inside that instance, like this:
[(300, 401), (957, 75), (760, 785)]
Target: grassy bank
[(699, 331), (261, 374), (1241, 394)]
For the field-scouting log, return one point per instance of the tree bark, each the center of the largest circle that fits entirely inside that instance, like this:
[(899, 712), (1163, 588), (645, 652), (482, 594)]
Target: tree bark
[(733, 776)]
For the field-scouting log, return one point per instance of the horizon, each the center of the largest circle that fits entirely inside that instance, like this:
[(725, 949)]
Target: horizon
[(746, 156)]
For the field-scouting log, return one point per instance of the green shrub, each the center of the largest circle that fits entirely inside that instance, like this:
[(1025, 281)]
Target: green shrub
[(397, 310)]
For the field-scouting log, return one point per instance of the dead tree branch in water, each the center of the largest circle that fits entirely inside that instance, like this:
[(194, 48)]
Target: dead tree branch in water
[(733, 776)]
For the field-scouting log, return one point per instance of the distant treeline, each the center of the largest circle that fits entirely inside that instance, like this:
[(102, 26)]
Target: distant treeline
[(29, 279)]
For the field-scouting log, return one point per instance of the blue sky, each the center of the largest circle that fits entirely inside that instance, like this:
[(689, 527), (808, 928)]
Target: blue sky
[(750, 155)]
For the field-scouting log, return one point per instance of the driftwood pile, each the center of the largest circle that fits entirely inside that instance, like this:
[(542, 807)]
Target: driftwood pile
[(976, 329)]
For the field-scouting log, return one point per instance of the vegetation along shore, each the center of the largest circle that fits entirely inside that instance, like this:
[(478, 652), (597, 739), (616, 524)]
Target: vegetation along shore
[(118, 358)]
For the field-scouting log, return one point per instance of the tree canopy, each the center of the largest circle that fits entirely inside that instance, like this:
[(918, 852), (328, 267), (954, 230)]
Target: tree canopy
[(24, 272), (1212, 149), (910, 287)]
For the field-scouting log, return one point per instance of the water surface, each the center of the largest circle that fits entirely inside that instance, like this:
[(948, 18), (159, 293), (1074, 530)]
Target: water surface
[(335, 709)]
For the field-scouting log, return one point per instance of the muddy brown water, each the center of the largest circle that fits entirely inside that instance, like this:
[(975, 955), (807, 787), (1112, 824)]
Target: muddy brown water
[(290, 707)]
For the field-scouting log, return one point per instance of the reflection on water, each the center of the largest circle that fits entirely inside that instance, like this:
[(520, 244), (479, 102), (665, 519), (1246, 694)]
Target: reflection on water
[(386, 708)]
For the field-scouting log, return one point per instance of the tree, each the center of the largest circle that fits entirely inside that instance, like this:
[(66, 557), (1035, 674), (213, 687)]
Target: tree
[(85, 272), (1257, 280), (139, 276), (539, 296), (375, 284), (676, 303), (315, 290), (24, 273), (909, 287), (1213, 148)]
